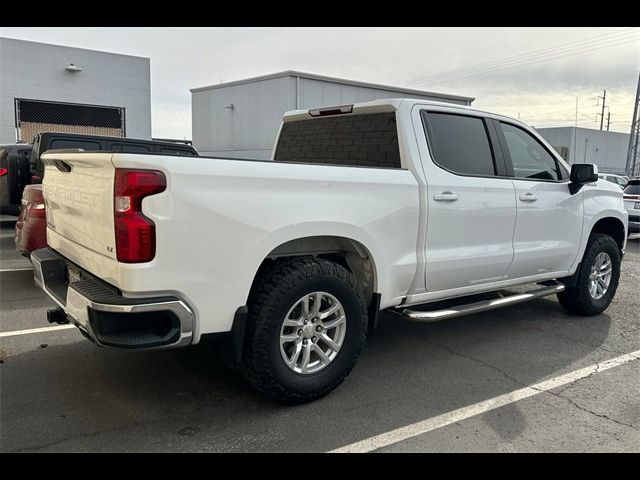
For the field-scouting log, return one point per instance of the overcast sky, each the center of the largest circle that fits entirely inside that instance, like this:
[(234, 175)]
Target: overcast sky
[(569, 62)]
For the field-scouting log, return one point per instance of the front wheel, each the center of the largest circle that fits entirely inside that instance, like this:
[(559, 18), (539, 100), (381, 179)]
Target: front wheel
[(306, 328), (597, 278)]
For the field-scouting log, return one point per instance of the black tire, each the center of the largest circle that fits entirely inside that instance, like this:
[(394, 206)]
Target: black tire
[(577, 299), (275, 292)]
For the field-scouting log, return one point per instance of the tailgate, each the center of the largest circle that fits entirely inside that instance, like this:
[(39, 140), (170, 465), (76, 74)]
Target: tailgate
[(78, 192)]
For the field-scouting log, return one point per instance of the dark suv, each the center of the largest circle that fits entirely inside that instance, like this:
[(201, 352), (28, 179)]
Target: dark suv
[(56, 141)]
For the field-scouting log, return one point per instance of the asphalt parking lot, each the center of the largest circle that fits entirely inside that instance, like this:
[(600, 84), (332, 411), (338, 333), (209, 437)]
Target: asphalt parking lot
[(58, 392)]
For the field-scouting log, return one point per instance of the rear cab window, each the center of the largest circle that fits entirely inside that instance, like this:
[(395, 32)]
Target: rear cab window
[(358, 140)]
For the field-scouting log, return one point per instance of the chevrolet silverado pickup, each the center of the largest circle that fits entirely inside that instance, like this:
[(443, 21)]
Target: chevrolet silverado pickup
[(420, 208)]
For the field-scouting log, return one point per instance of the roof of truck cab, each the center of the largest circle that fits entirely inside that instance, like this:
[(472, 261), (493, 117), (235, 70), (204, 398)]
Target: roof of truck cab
[(392, 104)]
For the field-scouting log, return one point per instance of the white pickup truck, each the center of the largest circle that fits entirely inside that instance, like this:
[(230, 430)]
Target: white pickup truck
[(386, 205)]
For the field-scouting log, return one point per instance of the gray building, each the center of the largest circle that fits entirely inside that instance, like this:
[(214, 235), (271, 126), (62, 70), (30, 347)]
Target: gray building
[(241, 119), (608, 150), (57, 88)]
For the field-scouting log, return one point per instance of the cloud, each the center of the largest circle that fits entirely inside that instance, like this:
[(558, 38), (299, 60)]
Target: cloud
[(183, 58)]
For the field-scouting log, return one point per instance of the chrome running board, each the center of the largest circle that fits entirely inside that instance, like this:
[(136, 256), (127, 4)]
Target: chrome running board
[(483, 306)]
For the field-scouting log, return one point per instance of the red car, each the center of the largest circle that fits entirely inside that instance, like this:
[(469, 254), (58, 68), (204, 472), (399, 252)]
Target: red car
[(31, 227)]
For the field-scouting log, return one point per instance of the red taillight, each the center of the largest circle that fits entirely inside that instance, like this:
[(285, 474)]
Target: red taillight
[(3, 171), (37, 210), (135, 233)]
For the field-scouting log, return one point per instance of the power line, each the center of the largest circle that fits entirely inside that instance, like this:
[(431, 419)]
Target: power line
[(530, 55), (526, 63), (527, 55), (567, 114), (533, 59)]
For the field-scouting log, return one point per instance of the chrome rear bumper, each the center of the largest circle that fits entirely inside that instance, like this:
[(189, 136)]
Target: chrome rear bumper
[(105, 316)]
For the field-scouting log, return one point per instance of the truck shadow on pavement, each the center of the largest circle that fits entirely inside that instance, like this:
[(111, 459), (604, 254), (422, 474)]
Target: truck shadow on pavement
[(76, 396)]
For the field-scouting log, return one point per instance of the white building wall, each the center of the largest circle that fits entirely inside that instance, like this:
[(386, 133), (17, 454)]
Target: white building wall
[(608, 150), (249, 129), (36, 71)]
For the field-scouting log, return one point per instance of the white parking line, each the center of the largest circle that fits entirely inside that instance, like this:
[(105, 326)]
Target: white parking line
[(430, 424), (35, 330), (21, 269)]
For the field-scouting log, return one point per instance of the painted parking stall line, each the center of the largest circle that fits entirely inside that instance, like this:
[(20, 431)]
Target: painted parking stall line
[(35, 330), (21, 269), (403, 433)]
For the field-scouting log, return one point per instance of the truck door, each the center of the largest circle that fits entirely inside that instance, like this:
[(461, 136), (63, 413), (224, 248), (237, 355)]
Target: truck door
[(550, 219), (471, 202)]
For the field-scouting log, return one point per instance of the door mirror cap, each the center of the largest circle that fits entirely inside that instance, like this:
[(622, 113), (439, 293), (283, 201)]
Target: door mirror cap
[(582, 173)]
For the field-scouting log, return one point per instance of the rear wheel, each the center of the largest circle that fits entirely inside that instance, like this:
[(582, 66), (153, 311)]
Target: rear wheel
[(597, 278), (306, 328)]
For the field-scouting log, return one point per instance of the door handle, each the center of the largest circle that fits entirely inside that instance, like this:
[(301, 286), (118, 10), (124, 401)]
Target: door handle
[(528, 197), (445, 197)]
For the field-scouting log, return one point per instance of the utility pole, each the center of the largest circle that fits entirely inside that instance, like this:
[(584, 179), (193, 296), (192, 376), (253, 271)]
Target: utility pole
[(632, 152), (608, 119), (575, 134), (604, 100)]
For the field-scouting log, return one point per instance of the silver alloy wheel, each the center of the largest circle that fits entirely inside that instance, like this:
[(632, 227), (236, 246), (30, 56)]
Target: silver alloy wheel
[(600, 275), (312, 332)]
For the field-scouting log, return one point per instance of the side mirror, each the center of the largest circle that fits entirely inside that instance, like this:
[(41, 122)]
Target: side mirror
[(581, 174)]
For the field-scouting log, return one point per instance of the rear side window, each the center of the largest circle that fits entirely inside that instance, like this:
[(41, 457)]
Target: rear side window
[(130, 148), (459, 143), (369, 140), (632, 188), (529, 158), (83, 144), (177, 151)]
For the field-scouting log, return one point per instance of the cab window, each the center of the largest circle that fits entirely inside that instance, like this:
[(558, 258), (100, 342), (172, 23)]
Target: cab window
[(528, 157)]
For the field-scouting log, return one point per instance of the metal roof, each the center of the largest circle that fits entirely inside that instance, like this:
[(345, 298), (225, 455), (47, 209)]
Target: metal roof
[(324, 78), (58, 45)]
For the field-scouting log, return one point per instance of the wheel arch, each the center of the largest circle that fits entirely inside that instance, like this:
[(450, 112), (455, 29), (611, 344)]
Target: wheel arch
[(351, 253), (613, 227)]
